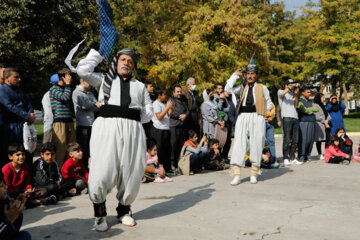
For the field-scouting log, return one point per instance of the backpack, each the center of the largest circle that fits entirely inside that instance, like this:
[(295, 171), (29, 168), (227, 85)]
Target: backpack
[(184, 162)]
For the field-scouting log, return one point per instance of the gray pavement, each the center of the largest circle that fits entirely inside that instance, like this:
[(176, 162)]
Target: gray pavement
[(311, 201)]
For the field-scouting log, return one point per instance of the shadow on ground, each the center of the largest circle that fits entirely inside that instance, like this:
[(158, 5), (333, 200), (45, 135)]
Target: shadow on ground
[(73, 229), (35, 214), (177, 203), (268, 174)]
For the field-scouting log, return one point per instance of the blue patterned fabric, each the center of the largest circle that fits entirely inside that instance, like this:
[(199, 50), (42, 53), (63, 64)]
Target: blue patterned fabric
[(108, 34)]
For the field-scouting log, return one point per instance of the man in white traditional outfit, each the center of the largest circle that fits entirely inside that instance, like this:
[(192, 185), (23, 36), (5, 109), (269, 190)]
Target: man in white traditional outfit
[(250, 130), (118, 142)]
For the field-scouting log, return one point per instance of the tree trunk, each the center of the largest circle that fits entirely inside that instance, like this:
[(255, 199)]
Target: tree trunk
[(346, 102)]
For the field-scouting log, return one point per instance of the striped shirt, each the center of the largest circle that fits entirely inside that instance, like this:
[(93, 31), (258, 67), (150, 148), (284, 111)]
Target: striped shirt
[(60, 98)]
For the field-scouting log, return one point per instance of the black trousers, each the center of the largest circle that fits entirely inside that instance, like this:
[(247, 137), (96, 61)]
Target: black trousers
[(226, 148), (162, 138), (83, 134), (336, 160), (177, 135)]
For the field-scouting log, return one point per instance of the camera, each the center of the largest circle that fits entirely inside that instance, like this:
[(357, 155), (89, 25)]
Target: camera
[(293, 88)]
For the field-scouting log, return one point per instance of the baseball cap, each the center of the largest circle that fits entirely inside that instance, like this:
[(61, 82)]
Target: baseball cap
[(54, 79), (290, 81)]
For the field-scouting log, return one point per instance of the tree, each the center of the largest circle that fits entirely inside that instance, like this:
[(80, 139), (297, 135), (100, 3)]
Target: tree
[(37, 35)]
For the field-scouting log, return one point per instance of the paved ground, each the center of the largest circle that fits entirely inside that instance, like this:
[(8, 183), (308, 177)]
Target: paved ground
[(312, 201)]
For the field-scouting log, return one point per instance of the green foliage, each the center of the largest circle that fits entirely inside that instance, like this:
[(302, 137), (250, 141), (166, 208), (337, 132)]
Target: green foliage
[(37, 35), (177, 39)]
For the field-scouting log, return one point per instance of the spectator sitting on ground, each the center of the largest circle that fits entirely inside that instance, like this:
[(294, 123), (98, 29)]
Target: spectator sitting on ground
[(74, 172), (17, 176), (215, 160), (199, 152), (268, 161), (152, 161), (346, 143), (333, 154), (46, 173), (11, 216)]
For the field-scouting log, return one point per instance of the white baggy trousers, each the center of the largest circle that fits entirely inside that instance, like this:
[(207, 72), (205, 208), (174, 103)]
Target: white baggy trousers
[(118, 158), (250, 125)]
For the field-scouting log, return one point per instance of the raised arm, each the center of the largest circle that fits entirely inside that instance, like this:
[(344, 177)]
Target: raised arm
[(86, 66)]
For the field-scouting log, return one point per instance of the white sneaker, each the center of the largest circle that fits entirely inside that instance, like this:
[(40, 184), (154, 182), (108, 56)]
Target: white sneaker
[(101, 224), (321, 157), (235, 181), (253, 179), (127, 220), (295, 161), (287, 162)]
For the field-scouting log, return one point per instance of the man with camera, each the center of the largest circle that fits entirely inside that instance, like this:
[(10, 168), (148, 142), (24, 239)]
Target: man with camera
[(288, 102)]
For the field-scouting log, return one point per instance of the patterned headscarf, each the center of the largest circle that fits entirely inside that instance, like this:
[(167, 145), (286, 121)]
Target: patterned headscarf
[(108, 34)]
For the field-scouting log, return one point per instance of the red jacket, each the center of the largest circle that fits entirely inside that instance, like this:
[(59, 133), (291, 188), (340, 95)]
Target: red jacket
[(17, 181), (333, 151), (75, 170)]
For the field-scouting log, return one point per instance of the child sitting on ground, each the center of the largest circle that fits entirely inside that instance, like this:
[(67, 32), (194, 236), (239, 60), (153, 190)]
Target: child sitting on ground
[(333, 154), (46, 173), (215, 161), (152, 162), (17, 176), (11, 215), (74, 171), (199, 152), (346, 143), (267, 160)]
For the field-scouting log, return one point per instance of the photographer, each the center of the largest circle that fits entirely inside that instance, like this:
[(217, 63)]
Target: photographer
[(335, 109), (288, 102)]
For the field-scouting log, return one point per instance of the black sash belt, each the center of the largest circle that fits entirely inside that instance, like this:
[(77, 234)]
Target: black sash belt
[(113, 111), (247, 109)]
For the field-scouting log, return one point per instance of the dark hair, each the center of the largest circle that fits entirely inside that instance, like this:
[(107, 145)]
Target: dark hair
[(338, 129), (150, 143), (8, 71), (175, 86), (331, 141), (212, 141), (191, 133), (304, 88), (14, 148), (72, 147), (217, 84), (63, 72), (147, 83), (49, 146), (159, 91)]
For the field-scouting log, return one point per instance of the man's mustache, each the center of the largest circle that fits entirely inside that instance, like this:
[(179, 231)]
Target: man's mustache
[(124, 66)]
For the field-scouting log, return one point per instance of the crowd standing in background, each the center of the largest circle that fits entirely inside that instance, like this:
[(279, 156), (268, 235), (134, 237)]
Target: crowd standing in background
[(177, 134)]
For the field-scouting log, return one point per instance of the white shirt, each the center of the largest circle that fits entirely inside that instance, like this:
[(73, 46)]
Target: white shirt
[(48, 114), (230, 89), (287, 105), (140, 98), (163, 124)]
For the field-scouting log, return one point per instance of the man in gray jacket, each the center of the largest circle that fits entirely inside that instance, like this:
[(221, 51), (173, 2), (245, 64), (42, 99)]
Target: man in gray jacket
[(85, 105)]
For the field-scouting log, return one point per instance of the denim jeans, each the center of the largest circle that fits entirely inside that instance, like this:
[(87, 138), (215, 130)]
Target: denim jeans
[(270, 138), (23, 235), (198, 159), (291, 137)]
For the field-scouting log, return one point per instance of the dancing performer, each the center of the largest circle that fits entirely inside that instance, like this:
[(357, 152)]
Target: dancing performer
[(250, 127), (118, 142)]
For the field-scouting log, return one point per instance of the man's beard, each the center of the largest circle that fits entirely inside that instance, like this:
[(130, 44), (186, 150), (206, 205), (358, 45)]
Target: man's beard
[(128, 74)]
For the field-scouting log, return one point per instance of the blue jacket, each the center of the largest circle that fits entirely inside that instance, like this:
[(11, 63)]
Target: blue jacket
[(15, 111), (336, 117), (15, 107)]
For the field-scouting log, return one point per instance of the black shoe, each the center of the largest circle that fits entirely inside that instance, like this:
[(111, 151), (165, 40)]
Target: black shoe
[(49, 200), (172, 172)]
